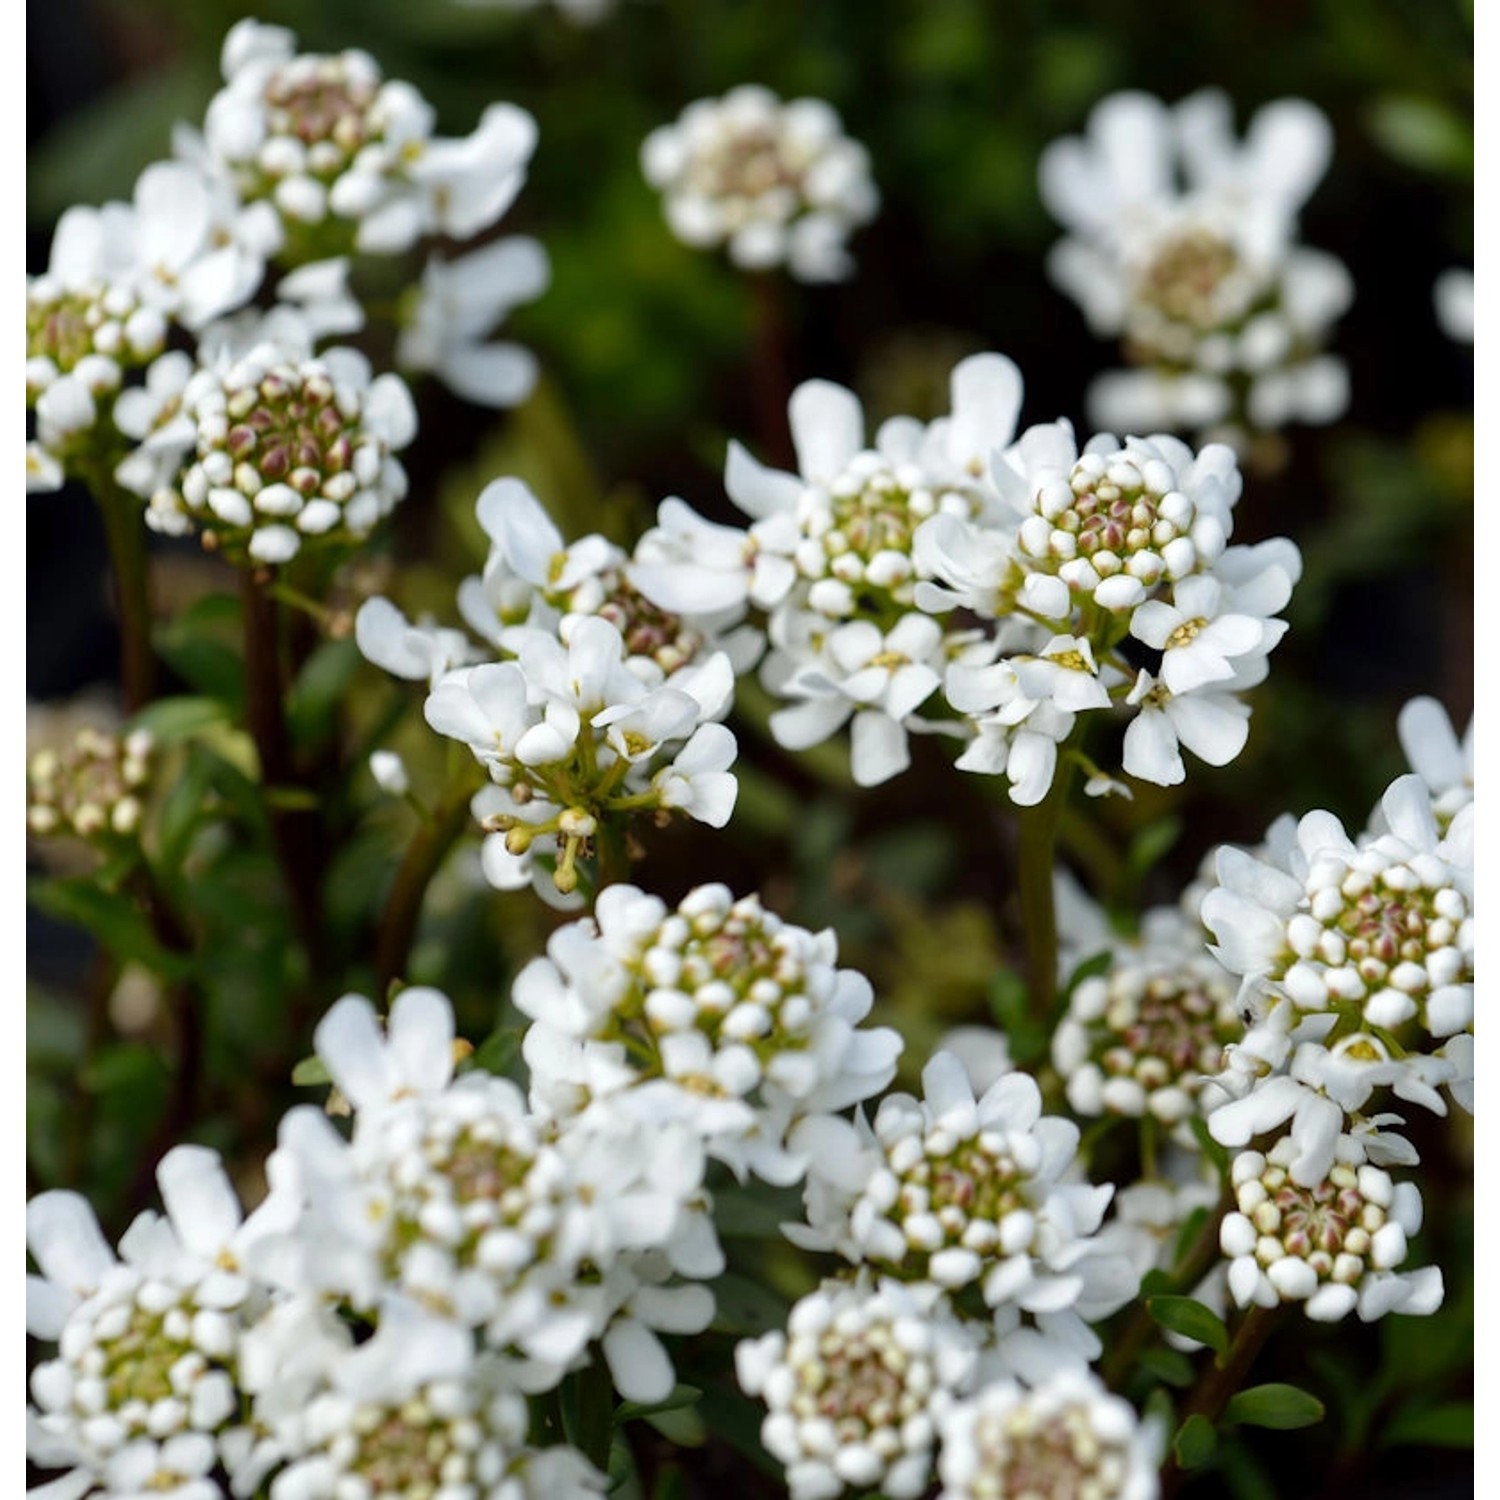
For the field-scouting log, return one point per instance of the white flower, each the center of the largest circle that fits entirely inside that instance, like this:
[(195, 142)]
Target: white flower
[(1067, 1437), (348, 159), (280, 450), (717, 1013), (1213, 725), (778, 183), (857, 1387), (962, 1192), (458, 305), (1453, 298), (1386, 923), (1333, 1246), (94, 786), (1434, 751), (1183, 243), (1141, 1038), (418, 653), (412, 1410), (144, 1393)]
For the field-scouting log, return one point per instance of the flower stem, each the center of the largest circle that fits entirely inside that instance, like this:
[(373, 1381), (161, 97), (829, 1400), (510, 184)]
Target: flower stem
[(403, 905), (125, 538), (1037, 849), (771, 370), (1223, 1380), (296, 832)]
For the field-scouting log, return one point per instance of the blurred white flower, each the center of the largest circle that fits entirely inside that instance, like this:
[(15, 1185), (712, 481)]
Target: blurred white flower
[(779, 183), (1183, 243)]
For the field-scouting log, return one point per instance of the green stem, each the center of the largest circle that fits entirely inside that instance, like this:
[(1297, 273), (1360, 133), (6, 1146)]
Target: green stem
[(1036, 854), (771, 367), (1223, 1380), (296, 832), (125, 537), (403, 904), (1142, 1329)]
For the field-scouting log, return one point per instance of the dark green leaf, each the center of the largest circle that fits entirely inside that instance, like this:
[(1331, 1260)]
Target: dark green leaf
[(678, 1397), (1187, 1236), (1274, 1405), (1211, 1148), (746, 1307), (1150, 844), (1447, 1426), (1195, 1442), (1191, 1319), (321, 687), (1170, 1366), (1244, 1475), (113, 918), (1093, 966), (498, 1052)]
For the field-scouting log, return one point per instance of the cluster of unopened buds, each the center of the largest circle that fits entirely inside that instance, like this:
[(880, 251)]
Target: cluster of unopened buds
[(92, 787)]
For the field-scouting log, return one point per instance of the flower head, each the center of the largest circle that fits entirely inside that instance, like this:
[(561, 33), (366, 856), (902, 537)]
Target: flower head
[(778, 183)]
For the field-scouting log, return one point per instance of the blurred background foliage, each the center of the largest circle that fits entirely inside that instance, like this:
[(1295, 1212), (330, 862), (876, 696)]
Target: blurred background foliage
[(646, 348)]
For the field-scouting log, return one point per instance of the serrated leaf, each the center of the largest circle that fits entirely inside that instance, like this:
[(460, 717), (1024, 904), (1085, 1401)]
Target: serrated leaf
[(1191, 1319), (1195, 1442), (1448, 1426), (1170, 1366), (1274, 1405)]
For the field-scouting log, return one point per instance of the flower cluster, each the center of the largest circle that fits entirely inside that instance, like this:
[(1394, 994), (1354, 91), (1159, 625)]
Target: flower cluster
[(1182, 243), (604, 707), (266, 451), (92, 787), (303, 160), (716, 1012), (778, 183), (872, 565), (938, 1199), (1142, 1037)]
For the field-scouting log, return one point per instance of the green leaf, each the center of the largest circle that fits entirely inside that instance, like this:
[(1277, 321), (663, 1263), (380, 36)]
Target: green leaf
[(112, 918), (1211, 1148), (1448, 1426), (1150, 844), (1195, 1442), (678, 1397), (1187, 1236), (1191, 1319), (173, 719), (498, 1052), (1423, 133), (1170, 1366), (319, 691), (1093, 966), (1274, 1405), (1244, 1476), (311, 1072), (747, 1307)]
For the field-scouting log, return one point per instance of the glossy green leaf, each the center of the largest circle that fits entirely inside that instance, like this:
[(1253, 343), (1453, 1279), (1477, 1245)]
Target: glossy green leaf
[(1195, 1442), (1274, 1405), (1191, 1319)]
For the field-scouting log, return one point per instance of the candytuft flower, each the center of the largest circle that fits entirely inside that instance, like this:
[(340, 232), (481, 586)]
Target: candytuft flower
[(778, 183)]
